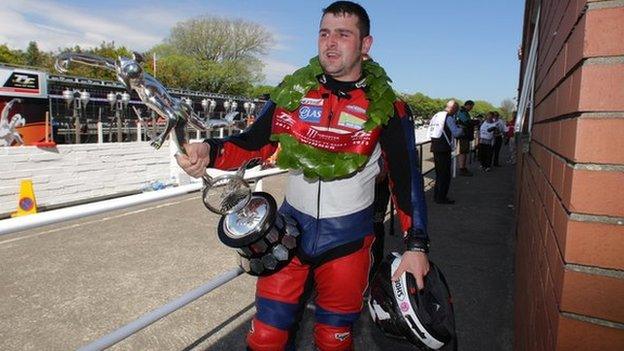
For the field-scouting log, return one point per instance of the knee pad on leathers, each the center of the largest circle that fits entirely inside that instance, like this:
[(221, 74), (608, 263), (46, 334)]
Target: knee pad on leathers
[(263, 337), (327, 338)]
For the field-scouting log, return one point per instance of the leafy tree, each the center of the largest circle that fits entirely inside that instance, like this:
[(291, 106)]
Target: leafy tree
[(507, 107), (13, 57), (33, 57), (423, 106), (220, 39), (482, 108), (224, 54), (259, 91), (175, 71)]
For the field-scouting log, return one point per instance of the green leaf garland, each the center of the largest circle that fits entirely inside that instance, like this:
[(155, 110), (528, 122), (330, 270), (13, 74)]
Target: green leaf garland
[(318, 163)]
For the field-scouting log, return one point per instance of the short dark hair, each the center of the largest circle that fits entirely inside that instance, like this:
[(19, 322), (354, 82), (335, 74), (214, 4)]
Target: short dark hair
[(469, 102), (351, 8)]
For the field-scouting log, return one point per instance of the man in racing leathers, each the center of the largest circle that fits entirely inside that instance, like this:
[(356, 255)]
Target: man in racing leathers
[(334, 215)]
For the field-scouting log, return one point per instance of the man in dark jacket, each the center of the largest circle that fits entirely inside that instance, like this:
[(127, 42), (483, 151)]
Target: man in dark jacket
[(464, 121)]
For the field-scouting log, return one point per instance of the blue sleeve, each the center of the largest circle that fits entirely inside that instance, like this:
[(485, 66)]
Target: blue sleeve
[(455, 129)]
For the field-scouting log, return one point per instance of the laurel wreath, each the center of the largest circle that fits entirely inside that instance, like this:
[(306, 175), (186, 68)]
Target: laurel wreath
[(317, 163)]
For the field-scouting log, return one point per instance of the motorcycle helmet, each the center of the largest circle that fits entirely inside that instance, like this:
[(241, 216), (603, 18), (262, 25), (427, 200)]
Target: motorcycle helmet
[(424, 318)]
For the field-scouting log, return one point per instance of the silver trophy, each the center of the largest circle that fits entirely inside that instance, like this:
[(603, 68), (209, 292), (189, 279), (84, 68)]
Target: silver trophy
[(264, 238)]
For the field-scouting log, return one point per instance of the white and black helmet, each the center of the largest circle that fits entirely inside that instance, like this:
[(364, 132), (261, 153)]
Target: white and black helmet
[(424, 318)]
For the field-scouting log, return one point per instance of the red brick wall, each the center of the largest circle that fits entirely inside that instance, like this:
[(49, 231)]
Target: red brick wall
[(570, 222)]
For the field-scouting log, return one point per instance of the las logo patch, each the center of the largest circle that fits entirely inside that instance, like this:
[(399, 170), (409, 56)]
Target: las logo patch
[(310, 114)]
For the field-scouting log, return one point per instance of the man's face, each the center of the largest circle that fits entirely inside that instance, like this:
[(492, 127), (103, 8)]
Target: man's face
[(454, 109), (340, 47), (468, 107)]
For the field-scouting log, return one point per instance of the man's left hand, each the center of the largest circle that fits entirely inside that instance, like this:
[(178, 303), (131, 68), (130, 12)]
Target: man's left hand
[(415, 263)]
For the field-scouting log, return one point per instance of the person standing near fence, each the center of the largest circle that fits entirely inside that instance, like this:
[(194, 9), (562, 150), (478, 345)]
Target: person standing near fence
[(329, 193), (487, 133), (443, 130), (501, 128), (464, 120)]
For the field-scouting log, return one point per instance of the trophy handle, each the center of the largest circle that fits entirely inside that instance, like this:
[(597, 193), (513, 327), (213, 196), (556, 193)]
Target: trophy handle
[(138, 57), (64, 59), (241, 170)]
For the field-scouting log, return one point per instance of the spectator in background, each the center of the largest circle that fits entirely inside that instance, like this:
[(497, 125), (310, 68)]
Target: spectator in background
[(467, 124), (486, 140), (442, 131), (500, 130)]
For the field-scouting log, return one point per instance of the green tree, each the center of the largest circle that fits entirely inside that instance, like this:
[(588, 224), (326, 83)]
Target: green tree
[(13, 57), (259, 91), (482, 107), (223, 54), (175, 71), (33, 57), (423, 106), (220, 39), (507, 108)]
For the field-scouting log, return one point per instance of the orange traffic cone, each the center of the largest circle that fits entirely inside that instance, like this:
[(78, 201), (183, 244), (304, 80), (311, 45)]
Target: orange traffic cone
[(26, 203)]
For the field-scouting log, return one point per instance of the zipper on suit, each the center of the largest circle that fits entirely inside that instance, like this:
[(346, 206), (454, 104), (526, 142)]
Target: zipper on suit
[(318, 194), (318, 216)]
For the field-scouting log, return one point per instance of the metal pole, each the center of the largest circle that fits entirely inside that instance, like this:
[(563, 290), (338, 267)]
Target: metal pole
[(153, 316), (139, 130), (77, 120), (118, 121), (100, 135), (47, 126)]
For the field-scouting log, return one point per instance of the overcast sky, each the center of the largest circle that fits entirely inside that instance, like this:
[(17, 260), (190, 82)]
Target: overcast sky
[(465, 49)]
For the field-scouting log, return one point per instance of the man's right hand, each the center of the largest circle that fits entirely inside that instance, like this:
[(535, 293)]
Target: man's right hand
[(196, 160)]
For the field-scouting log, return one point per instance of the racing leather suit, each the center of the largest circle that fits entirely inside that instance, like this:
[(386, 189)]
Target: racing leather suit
[(335, 217)]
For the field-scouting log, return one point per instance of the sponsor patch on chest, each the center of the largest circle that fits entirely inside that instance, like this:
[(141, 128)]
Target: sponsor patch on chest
[(350, 121), (312, 102), (310, 113), (356, 109)]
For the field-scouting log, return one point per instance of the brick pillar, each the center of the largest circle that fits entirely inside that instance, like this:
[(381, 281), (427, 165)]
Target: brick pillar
[(570, 251)]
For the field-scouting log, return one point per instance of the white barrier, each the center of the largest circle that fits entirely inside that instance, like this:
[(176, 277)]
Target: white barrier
[(13, 225)]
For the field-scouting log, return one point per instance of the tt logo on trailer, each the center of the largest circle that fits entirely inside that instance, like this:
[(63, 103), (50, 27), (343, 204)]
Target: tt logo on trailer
[(23, 79)]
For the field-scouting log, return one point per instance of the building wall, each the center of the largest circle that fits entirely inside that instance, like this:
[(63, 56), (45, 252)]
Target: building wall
[(570, 223), (70, 173)]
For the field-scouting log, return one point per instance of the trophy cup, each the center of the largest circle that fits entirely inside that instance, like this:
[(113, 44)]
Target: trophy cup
[(250, 223)]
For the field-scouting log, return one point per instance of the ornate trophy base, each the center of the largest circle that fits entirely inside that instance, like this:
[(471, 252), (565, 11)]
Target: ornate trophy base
[(264, 238)]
